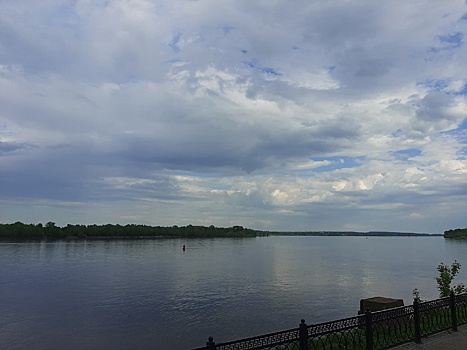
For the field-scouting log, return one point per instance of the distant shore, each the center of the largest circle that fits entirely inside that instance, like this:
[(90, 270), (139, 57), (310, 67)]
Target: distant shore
[(354, 233), (20, 231)]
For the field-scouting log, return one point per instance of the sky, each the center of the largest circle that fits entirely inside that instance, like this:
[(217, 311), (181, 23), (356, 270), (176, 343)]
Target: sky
[(269, 114)]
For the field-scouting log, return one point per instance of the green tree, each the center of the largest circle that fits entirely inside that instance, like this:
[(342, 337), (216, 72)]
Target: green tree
[(456, 233), (416, 295), (446, 276)]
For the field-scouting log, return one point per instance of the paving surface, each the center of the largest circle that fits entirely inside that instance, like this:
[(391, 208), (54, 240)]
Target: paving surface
[(441, 341)]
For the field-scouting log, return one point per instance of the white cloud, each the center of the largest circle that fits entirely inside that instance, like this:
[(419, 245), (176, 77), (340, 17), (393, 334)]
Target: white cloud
[(306, 116)]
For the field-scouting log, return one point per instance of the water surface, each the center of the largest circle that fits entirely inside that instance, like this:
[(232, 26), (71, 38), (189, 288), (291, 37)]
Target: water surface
[(149, 294)]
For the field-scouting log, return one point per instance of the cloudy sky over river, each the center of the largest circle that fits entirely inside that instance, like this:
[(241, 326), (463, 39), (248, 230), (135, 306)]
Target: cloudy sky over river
[(275, 115)]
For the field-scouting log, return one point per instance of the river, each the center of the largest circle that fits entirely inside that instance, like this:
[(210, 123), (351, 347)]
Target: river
[(150, 294)]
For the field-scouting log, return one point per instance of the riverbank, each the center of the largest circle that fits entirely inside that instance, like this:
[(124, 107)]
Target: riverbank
[(18, 230), (354, 234)]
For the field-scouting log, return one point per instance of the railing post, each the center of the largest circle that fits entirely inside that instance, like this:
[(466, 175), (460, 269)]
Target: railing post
[(369, 329), (416, 320), (452, 299), (303, 335), (210, 345)]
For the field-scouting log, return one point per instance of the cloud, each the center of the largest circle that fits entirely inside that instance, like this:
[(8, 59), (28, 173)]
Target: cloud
[(9, 147), (259, 114)]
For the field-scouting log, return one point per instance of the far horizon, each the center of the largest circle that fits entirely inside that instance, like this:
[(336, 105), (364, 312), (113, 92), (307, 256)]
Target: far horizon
[(373, 233)]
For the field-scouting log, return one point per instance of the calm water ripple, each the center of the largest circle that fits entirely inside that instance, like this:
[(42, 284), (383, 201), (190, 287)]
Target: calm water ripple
[(150, 294)]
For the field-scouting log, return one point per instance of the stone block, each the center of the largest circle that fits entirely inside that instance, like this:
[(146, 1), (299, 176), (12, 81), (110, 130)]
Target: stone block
[(379, 303)]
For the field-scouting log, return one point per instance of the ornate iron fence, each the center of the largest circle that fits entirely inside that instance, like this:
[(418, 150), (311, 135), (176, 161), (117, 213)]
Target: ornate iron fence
[(372, 331), (284, 340), (461, 309), (348, 333)]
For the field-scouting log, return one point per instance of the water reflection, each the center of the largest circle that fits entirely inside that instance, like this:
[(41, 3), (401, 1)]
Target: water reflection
[(135, 294)]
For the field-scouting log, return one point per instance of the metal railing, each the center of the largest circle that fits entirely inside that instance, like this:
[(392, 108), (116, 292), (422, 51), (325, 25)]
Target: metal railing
[(370, 331)]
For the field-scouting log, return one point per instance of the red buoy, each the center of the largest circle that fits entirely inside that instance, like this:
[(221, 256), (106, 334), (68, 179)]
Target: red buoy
[(183, 248)]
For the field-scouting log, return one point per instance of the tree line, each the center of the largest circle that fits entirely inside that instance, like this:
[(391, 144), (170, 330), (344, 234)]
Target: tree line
[(456, 233), (19, 230)]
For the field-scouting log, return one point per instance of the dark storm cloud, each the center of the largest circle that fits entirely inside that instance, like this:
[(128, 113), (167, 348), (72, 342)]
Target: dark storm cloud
[(8, 147), (210, 147), (433, 106)]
